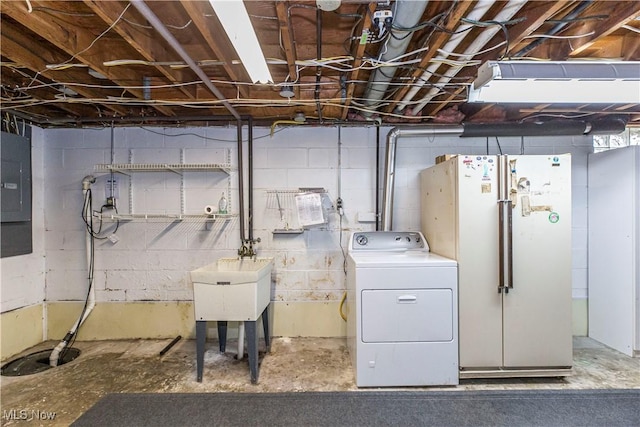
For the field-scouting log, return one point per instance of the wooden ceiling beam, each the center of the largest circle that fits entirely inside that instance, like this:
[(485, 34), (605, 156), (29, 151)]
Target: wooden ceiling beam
[(286, 33), (12, 78), (358, 53), (536, 15), (452, 22), (73, 40), (19, 47), (619, 13), (138, 38), (197, 10)]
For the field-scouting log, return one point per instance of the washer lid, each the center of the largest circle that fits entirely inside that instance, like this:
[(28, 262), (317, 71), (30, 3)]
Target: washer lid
[(386, 259)]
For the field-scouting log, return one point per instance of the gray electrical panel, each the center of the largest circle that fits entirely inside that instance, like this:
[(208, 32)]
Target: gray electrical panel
[(16, 178), (15, 194)]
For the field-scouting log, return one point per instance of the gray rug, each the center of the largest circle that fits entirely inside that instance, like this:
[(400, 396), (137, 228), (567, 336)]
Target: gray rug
[(371, 408)]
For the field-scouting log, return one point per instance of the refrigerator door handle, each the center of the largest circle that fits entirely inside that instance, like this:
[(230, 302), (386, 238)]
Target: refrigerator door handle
[(500, 246), (509, 245)]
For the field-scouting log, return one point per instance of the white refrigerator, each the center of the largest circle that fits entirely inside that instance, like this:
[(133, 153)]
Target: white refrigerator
[(614, 248), (507, 221)]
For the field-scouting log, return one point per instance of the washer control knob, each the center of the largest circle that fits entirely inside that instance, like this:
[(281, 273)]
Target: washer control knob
[(362, 240)]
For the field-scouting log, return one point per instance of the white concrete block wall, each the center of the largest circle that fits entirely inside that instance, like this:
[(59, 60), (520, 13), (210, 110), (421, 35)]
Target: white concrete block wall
[(23, 276), (152, 260)]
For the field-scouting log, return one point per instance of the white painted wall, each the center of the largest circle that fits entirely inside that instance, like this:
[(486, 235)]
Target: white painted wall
[(151, 261), (23, 276)]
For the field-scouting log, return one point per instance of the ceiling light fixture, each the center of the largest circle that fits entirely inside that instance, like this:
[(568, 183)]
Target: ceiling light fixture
[(570, 82), (96, 74), (328, 5), (299, 117), (287, 92), (234, 18)]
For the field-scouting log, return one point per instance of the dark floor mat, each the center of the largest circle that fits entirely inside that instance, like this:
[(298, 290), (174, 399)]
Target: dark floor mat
[(371, 408)]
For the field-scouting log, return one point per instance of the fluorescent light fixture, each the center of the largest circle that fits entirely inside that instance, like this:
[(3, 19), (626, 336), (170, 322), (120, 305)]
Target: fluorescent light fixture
[(235, 20), (571, 82)]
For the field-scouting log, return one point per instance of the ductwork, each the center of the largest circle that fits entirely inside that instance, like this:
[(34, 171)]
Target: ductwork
[(504, 15), (406, 15), (567, 127), (390, 163), (462, 31)]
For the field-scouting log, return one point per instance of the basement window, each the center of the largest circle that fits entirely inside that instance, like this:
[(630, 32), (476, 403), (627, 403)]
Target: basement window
[(631, 136)]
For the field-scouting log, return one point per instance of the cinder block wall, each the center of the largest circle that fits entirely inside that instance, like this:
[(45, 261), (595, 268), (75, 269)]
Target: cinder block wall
[(151, 260)]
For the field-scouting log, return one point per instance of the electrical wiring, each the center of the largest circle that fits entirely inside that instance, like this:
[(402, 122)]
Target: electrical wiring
[(96, 234), (207, 138), (86, 213), (209, 103), (173, 27), (99, 36), (548, 36), (582, 18), (630, 28), (463, 55)]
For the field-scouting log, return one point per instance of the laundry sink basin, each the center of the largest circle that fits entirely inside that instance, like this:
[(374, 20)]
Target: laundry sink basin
[(232, 271), (232, 289)]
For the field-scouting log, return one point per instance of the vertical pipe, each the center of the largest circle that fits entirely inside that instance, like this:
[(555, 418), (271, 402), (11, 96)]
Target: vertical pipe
[(319, 55), (390, 170), (240, 181), (250, 176), (390, 163)]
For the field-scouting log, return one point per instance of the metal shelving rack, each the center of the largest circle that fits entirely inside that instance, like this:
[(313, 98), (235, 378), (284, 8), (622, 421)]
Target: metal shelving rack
[(284, 202), (178, 168)]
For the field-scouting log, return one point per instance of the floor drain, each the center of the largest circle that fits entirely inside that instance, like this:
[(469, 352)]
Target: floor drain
[(36, 362)]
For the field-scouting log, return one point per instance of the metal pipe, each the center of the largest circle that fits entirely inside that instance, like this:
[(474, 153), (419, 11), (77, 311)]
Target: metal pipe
[(407, 14), (240, 183), (250, 177), (504, 15), (390, 163), (173, 42), (559, 127), (319, 55), (461, 32)]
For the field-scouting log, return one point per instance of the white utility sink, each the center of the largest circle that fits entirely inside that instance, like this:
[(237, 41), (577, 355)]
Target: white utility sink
[(232, 289)]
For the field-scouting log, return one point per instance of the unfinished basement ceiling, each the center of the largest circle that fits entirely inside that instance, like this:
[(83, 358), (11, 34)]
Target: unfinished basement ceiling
[(67, 63)]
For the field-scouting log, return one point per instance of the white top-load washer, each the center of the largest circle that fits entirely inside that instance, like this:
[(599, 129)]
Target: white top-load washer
[(402, 311)]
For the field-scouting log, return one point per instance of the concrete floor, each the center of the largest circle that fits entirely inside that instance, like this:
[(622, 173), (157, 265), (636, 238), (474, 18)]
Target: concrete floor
[(294, 364)]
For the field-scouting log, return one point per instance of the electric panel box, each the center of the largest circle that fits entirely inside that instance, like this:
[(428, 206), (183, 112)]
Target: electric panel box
[(15, 184)]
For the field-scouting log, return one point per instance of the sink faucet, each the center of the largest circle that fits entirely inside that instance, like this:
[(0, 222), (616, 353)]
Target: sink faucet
[(248, 251)]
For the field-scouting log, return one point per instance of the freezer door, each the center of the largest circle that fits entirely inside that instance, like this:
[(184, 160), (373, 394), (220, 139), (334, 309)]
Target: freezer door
[(537, 309), (480, 304)]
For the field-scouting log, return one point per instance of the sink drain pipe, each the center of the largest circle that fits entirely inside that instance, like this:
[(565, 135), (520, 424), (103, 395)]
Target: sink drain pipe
[(90, 302)]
